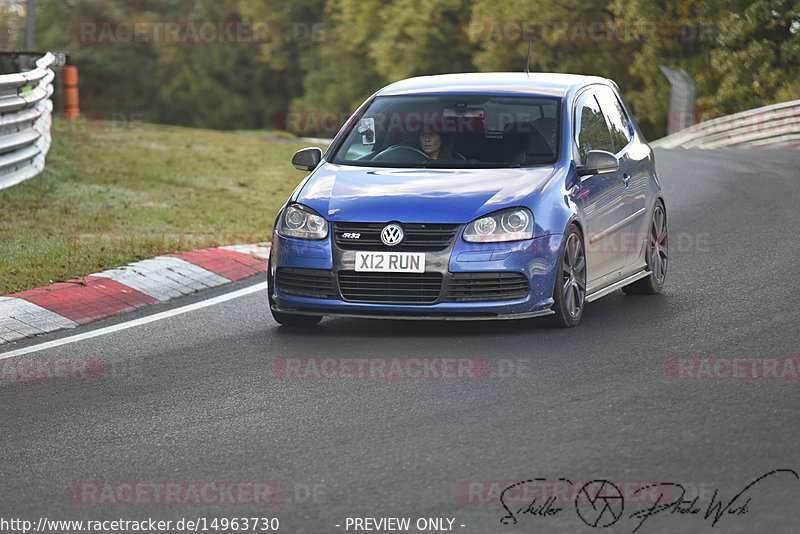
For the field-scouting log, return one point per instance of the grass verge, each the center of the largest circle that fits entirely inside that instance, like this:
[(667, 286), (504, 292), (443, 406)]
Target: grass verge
[(111, 196)]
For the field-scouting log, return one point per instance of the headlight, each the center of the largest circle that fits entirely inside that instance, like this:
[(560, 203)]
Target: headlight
[(507, 225), (303, 223)]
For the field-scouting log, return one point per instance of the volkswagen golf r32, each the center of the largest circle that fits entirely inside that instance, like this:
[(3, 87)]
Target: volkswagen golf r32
[(473, 196)]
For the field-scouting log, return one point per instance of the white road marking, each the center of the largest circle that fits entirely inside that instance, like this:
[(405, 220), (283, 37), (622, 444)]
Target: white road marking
[(262, 286)]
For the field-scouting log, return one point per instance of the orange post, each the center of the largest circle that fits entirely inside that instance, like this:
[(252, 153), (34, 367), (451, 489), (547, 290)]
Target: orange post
[(69, 79)]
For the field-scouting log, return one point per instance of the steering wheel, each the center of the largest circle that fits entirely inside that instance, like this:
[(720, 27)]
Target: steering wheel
[(401, 154)]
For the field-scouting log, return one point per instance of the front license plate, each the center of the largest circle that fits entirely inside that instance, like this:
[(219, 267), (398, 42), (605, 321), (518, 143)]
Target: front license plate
[(390, 262)]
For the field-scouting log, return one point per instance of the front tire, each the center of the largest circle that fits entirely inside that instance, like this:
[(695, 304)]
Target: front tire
[(569, 292), (656, 256)]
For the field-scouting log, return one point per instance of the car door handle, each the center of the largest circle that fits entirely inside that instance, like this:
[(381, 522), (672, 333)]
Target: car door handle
[(625, 179)]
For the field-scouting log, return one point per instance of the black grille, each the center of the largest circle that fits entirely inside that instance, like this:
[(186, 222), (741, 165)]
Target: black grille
[(314, 283), (483, 287), (390, 288), (418, 237)]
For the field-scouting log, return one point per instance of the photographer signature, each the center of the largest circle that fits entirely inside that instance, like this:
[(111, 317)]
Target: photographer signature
[(600, 503)]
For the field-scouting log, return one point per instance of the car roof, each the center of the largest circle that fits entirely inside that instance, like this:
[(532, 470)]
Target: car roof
[(511, 83)]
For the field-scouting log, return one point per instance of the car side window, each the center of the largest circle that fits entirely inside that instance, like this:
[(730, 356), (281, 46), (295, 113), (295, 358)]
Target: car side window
[(593, 131), (617, 120)]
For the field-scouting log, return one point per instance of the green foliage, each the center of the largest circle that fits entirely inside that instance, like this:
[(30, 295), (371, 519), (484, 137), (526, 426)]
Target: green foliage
[(683, 41), (417, 38), (339, 73), (370, 43), (325, 57), (115, 79), (217, 84), (757, 59), (566, 37)]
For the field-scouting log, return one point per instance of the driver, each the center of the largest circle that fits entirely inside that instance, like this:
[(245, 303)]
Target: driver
[(433, 144)]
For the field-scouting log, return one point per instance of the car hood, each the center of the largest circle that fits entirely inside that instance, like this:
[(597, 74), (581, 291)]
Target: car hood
[(370, 194)]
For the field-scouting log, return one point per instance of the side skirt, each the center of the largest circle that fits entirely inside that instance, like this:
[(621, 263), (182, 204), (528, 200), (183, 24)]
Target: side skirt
[(613, 287)]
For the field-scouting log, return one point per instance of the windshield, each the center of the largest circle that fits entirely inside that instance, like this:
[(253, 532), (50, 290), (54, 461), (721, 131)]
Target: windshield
[(453, 131)]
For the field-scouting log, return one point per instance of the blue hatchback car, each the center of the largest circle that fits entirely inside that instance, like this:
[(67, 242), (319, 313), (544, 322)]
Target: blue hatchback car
[(473, 196)]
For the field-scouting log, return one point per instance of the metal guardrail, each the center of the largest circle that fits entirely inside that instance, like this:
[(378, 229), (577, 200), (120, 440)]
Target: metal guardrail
[(768, 125), (25, 118)]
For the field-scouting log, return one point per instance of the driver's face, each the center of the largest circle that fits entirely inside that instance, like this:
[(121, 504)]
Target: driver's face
[(430, 142)]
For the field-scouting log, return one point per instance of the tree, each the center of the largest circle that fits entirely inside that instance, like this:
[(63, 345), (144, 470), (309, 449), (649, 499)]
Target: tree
[(12, 26), (219, 83), (290, 56), (369, 43), (757, 60), (683, 40), (421, 37), (340, 73), (324, 57), (116, 78), (582, 37)]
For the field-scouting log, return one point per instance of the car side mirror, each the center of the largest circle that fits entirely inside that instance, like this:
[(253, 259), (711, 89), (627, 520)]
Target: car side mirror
[(599, 162), (307, 159)]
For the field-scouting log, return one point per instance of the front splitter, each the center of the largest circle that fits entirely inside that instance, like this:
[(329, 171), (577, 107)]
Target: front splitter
[(415, 317)]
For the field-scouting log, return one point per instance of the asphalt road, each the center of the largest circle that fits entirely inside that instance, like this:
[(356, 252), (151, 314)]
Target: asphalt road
[(195, 398)]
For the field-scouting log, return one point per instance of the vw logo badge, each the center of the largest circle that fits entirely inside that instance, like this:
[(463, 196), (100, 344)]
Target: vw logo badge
[(392, 234)]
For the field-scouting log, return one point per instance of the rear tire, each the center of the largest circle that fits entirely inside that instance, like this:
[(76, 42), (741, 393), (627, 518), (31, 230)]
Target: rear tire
[(656, 256), (569, 291)]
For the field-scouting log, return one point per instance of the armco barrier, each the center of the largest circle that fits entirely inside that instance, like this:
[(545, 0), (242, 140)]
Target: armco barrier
[(25, 117), (765, 126)]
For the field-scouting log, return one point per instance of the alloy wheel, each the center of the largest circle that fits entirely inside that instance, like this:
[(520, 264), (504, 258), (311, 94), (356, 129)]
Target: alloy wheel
[(658, 245), (574, 276)]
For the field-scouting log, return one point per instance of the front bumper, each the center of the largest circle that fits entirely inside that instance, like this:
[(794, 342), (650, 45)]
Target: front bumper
[(535, 259)]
